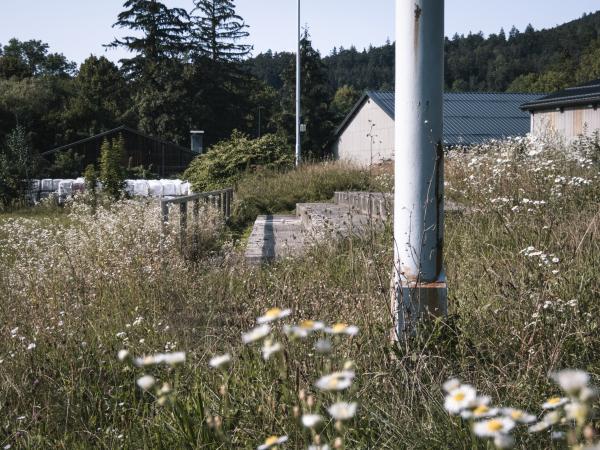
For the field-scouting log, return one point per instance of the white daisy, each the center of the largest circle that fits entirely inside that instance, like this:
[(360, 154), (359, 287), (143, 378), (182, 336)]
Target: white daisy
[(161, 358), (256, 334), (310, 420), (481, 411), (273, 314), (493, 427), (555, 402), (460, 398), (342, 410), (518, 415), (217, 362), (31, 346), (303, 329), (342, 328), (270, 348), (271, 442), (451, 384), (123, 355), (337, 381), (577, 411), (571, 381), (146, 382)]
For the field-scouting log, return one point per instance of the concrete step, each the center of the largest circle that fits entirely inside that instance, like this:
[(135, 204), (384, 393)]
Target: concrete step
[(381, 205), (275, 237), (322, 220)]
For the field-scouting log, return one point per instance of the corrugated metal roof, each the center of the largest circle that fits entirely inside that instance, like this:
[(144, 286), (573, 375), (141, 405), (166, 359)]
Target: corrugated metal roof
[(583, 94), (469, 118)]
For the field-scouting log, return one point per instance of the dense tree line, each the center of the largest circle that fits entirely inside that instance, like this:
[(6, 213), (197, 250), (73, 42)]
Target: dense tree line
[(190, 69)]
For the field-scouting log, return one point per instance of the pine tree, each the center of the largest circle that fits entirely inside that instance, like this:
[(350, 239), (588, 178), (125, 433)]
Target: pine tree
[(161, 33), (217, 31)]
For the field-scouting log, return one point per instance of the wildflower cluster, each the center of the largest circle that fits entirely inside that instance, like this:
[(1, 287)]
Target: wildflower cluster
[(573, 412)]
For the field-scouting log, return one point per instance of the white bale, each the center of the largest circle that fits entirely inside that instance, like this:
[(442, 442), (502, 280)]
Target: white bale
[(55, 184), (78, 186), (65, 188), (169, 188), (186, 188), (155, 188), (129, 187), (47, 185), (140, 188), (177, 184)]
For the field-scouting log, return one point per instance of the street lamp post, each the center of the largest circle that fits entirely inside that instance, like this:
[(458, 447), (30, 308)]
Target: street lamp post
[(298, 86), (419, 288)]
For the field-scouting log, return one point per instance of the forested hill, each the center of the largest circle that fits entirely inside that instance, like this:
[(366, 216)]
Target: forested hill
[(529, 60)]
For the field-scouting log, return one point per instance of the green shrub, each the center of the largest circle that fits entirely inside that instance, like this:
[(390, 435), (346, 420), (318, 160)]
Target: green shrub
[(223, 165), (112, 174)]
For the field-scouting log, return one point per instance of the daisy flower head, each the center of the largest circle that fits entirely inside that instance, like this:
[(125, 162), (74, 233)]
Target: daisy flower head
[(217, 362), (552, 418), (272, 442), (311, 420), (256, 334), (451, 384), (303, 329), (518, 415), (555, 402), (273, 314), (577, 411), (270, 348), (123, 355), (342, 328), (571, 381), (337, 381), (460, 398), (493, 427), (146, 382), (171, 359), (480, 411), (342, 410)]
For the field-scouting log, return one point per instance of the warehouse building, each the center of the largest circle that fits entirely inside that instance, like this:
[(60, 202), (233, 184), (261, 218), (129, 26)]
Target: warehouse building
[(570, 113), (366, 136)]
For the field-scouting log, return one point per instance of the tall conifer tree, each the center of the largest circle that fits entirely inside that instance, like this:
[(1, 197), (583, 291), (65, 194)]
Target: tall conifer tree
[(218, 30)]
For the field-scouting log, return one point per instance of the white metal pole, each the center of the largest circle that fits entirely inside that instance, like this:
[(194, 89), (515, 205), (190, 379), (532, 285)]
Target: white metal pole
[(419, 172), (298, 87)]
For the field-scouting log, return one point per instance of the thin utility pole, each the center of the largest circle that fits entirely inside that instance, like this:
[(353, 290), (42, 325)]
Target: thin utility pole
[(419, 279), (298, 86)]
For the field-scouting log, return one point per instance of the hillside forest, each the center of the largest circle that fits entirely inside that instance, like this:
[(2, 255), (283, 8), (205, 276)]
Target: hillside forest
[(194, 69)]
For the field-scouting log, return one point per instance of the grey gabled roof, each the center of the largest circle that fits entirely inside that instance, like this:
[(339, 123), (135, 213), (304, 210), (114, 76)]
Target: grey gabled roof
[(115, 130), (469, 118), (584, 94)]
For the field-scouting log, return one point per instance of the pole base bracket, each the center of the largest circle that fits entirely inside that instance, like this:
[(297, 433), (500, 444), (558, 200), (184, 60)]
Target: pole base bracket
[(416, 301)]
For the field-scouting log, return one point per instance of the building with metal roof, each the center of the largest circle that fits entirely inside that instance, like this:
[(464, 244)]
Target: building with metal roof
[(159, 156), (571, 112), (366, 135)]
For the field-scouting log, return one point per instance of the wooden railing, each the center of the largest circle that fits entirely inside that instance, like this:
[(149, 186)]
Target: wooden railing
[(219, 199)]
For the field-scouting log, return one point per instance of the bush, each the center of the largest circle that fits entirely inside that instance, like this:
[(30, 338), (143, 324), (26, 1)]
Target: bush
[(224, 164), (112, 174)]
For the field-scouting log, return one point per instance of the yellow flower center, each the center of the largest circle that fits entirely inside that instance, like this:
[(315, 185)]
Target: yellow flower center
[(554, 400), (516, 414), (307, 324), (339, 327), (459, 396), (481, 409), (272, 440), (273, 312), (495, 425)]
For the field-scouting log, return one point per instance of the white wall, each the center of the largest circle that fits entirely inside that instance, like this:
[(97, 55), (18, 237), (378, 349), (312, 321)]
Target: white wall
[(570, 123), (354, 145)]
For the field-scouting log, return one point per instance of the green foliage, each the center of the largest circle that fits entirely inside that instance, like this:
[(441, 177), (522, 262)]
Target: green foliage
[(343, 101), (217, 31), (67, 164), (550, 81), (589, 68), (17, 165), (91, 176), (112, 173), (26, 59), (226, 161)]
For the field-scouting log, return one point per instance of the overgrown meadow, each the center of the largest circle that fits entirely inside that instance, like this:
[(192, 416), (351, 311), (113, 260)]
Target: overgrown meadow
[(113, 338)]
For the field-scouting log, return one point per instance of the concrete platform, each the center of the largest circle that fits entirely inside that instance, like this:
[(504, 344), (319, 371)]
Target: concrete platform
[(275, 237)]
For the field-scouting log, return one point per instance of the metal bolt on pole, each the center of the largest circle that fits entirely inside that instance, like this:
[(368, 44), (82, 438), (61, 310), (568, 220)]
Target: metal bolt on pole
[(419, 284)]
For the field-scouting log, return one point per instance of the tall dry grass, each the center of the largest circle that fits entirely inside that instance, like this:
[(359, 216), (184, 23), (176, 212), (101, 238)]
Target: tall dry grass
[(522, 269)]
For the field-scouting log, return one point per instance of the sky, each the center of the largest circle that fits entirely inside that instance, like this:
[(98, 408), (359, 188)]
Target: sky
[(78, 28)]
